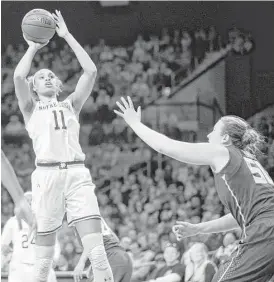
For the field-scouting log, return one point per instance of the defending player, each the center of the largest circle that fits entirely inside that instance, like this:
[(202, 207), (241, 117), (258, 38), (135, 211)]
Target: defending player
[(60, 183), (244, 187), (118, 258), (10, 181), (21, 267)]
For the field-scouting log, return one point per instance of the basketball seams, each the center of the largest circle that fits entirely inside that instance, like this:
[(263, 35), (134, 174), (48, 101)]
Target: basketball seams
[(41, 15), (34, 36), (27, 24), (38, 26)]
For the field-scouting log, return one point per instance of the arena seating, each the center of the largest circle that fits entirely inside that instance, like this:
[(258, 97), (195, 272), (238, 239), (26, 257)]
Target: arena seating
[(139, 200)]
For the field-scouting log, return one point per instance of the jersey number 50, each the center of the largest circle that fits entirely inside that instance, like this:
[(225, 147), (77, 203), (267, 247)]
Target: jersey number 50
[(259, 173)]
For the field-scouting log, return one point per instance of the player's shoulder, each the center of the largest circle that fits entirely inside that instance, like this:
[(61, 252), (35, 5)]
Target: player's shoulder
[(228, 160), (12, 222), (67, 103)]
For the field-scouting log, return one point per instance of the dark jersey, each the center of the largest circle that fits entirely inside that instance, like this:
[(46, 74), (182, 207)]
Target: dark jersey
[(110, 239), (245, 189)]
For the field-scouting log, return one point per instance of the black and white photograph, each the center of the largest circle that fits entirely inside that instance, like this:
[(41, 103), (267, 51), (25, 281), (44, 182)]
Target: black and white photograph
[(137, 141)]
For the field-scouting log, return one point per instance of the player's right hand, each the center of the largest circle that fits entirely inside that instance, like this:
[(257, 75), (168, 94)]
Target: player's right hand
[(127, 111), (35, 45), (78, 272), (184, 229)]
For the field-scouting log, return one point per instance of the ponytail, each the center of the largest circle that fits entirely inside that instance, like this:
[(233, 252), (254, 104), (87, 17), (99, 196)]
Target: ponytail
[(242, 135), (252, 141)]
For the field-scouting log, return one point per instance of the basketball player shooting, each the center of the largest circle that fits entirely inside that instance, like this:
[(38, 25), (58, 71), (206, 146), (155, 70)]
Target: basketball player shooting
[(60, 183), (244, 187)]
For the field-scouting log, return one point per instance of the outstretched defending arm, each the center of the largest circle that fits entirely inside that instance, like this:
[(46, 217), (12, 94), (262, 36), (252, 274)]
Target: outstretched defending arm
[(194, 153), (223, 224), (87, 79)]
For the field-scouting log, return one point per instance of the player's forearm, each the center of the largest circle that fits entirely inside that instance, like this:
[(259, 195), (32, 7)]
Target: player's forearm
[(83, 259), (82, 56), (155, 140), (23, 68), (225, 223), (10, 180)]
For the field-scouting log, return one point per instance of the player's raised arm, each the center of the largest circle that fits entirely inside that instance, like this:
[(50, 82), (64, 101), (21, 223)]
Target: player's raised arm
[(21, 72), (87, 79), (214, 155)]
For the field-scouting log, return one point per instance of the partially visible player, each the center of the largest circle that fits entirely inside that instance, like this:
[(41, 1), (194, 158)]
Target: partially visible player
[(119, 260), (60, 183), (243, 185), (10, 181), (21, 267)]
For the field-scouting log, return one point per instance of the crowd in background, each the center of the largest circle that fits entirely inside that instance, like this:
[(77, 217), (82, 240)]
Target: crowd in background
[(145, 71), (139, 197)]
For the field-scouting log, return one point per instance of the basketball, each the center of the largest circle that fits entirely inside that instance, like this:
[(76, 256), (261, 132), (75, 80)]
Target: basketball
[(38, 26)]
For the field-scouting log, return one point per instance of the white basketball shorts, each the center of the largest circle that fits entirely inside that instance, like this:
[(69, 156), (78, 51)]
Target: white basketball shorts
[(22, 272), (59, 191)]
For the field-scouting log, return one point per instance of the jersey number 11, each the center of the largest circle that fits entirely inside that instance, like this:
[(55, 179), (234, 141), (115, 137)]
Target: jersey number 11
[(57, 127)]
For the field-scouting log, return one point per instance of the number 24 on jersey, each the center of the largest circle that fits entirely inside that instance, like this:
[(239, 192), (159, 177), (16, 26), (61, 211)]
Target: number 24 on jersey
[(25, 241)]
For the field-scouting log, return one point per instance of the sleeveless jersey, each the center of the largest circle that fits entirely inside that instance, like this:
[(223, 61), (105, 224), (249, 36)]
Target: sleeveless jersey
[(110, 239), (23, 248), (54, 130), (245, 189)]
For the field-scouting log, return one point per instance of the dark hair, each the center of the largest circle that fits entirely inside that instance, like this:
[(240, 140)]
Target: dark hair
[(31, 82), (242, 135)]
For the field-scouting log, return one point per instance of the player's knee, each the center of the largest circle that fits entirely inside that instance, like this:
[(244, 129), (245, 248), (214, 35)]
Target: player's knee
[(94, 247), (43, 262)]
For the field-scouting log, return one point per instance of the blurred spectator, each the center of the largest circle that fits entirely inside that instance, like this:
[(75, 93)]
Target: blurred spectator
[(141, 262), (202, 268), (140, 197), (14, 127), (173, 270), (200, 46), (229, 246)]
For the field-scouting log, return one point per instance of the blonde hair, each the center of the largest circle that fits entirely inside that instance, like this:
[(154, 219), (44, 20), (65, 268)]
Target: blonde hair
[(31, 83), (242, 135)]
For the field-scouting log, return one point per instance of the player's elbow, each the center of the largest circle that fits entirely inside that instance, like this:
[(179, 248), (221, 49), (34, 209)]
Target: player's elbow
[(17, 76), (164, 145), (91, 70)]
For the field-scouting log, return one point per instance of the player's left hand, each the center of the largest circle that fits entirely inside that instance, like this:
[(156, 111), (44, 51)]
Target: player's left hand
[(128, 112), (61, 27)]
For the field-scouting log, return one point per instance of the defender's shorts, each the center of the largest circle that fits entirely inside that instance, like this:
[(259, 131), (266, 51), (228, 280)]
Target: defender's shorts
[(254, 259), (120, 263), (56, 191), (22, 272)]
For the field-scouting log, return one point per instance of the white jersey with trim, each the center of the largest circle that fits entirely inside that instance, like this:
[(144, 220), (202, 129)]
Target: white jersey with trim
[(23, 247), (54, 130)]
